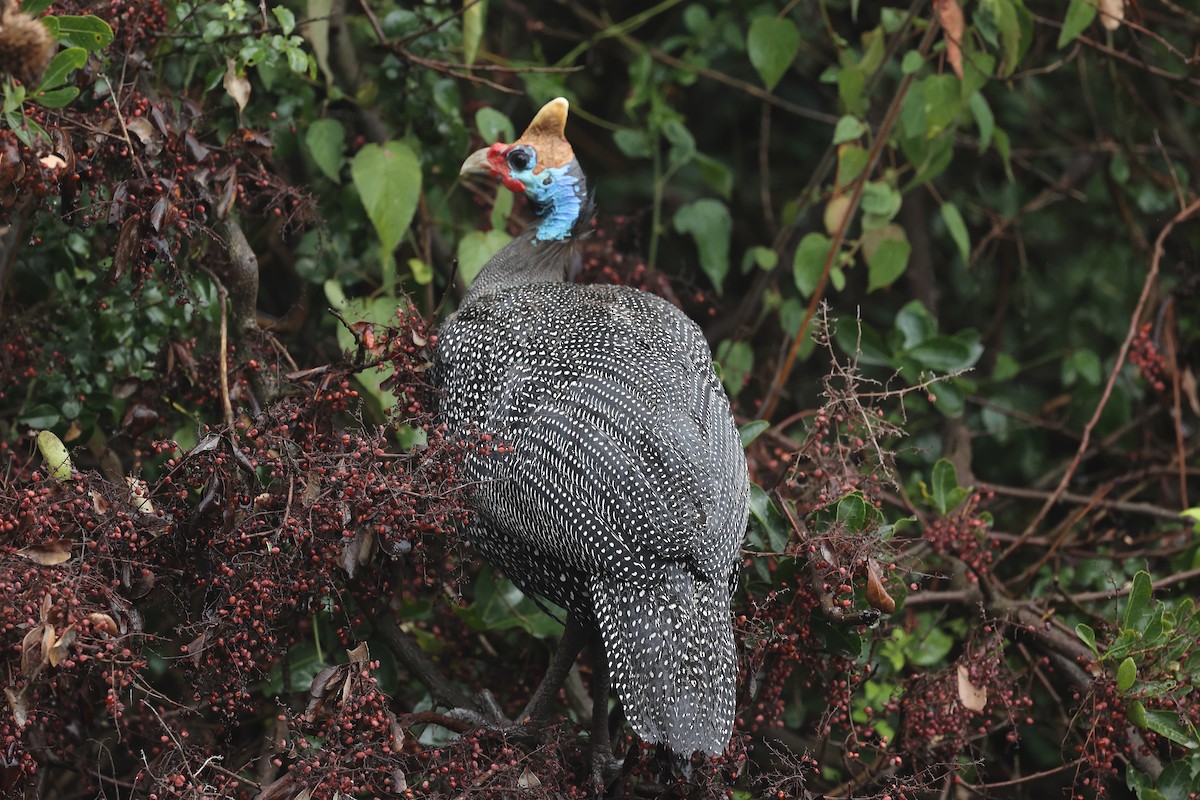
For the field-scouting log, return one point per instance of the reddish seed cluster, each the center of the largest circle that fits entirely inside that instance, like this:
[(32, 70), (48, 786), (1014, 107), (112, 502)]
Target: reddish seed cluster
[(964, 535), (1144, 354)]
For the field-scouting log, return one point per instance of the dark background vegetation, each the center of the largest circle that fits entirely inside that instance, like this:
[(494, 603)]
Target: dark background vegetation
[(945, 253)]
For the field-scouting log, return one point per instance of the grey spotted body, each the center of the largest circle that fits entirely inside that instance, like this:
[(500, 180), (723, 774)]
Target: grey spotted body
[(621, 493)]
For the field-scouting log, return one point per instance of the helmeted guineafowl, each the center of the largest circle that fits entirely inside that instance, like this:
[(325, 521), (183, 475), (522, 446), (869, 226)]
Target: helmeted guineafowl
[(612, 480)]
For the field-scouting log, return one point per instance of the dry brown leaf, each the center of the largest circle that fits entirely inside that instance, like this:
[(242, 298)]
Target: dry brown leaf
[(878, 596), (972, 697), (32, 654), (528, 780), (103, 623), (1112, 12), (950, 16), (238, 86), (359, 654), (1187, 384), (58, 650), (47, 553), (20, 709)]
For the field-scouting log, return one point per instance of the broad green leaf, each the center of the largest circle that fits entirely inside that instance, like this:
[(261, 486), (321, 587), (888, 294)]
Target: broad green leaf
[(1079, 15), (326, 141), (683, 144), (752, 430), (1126, 674), (957, 229), (881, 200), (763, 257), (911, 62), (715, 174), (1164, 723), (476, 248), (473, 18), (848, 129), (388, 178), (772, 44), (422, 273), (379, 311), (633, 143), (735, 361), (62, 65), (887, 263), (809, 261), (984, 119), (285, 18), (56, 98), (90, 33), (944, 489), (1087, 636), (35, 7), (55, 455), (852, 511), (852, 160), (946, 353), (494, 126), (1138, 608), (1083, 364), (708, 222), (943, 102)]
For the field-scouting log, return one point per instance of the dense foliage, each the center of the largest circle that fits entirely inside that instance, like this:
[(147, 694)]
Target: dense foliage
[(946, 257)]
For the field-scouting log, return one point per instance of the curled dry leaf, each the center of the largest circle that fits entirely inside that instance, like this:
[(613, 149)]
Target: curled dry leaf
[(1112, 13), (33, 656), (58, 651), (950, 16), (878, 596), (971, 696), (359, 654), (20, 708), (103, 623), (48, 554), (238, 86)]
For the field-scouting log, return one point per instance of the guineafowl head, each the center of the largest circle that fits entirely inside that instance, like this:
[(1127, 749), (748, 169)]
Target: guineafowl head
[(542, 166)]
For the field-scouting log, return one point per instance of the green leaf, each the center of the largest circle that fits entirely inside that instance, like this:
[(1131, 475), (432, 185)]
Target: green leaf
[(945, 491), (887, 263), (1126, 674), (764, 257), (473, 18), (911, 62), (880, 200), (388, 178), (708, 222), (1087, 636), (62, 65), (56, 98), (957, 229), (1138, 609), (735, 362), (326, 141), (285, 18), (683, 144), (809, 261), (715, 174), (494, 126), (848, 129), (55, 455), (90, 33), (1164, 723), (35, 7), (985, 120), (476, 248), (852, 511), (633, 143), (772, 44), (752, 430), (1079, 15)]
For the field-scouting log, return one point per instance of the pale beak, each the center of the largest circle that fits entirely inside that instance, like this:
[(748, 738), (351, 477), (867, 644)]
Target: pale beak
[(477, 164)]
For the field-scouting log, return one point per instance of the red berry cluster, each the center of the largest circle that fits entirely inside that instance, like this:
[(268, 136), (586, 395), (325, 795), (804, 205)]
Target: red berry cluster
[(1144, 354), (963, 534)]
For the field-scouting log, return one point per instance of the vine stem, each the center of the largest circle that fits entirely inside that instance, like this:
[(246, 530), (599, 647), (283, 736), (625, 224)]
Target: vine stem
[(1085, 440)]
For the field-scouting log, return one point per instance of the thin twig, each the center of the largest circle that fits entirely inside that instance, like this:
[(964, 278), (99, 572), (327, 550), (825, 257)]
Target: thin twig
[(1134, 322)]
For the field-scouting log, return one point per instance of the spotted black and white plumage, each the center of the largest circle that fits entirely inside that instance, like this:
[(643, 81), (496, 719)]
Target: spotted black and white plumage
[(612, 481)]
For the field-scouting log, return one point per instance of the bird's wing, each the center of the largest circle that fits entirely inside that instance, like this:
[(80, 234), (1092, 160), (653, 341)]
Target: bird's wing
[(618, 447)]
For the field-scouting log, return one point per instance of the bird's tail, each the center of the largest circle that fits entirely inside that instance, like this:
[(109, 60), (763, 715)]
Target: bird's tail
[(671, 658)]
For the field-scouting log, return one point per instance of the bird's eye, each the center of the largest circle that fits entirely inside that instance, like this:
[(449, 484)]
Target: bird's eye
[(519, 158)]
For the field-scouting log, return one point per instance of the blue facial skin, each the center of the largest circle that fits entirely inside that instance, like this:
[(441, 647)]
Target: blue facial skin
[(554, 193)]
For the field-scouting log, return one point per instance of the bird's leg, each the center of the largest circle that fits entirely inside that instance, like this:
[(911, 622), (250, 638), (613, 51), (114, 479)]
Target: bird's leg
[(573, 638), (605, 767)]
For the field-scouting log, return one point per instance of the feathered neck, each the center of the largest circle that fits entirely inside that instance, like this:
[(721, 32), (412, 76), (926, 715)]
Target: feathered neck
[(530, 258)]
